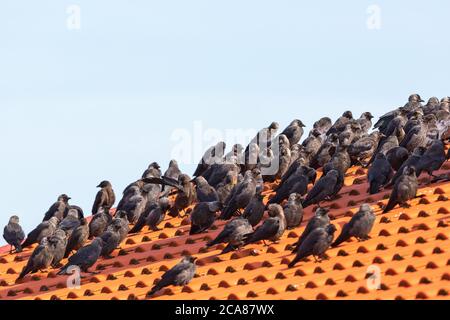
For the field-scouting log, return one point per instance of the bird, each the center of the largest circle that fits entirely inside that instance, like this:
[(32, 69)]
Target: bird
[(293, 211), (203, 216), (241, 196), (59, 208), (296, 183), (121, 221), (234, 234), (340, 123), (135, 206), (320, 220), (323, 125), (359, 226), (105, 197), (59, 242), (172, 172), (416, 137), (70, 222), (323, 189), (157, 214), (179, 275), (40, 259), (265, 136), (380, 173), (85, 257), (397, 156), (312, 144), (341, 160), (186, 195), (99, 223), (272, 229), (111, 239), (412, 161), (405, 189), (13, 234), (294, 131), (213, 155), (224, 189), (205, 193), (385, 145), (325, 152), (365, 121), (316, 245), (43, 230), (78, 238), (433, 159), (364, 148), (254, 211), (153, 171)]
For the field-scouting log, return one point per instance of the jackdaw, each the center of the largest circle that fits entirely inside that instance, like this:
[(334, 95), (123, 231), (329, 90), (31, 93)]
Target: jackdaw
[(13, 234), (293, 211), (380, 173), (78, 238), (99, 223), (323, 189), (40, 259), (272, 229), (405, 189), (203, 216), (254, 211), (105, 197), (320, 220), (84, 258), (43, 230), (59, 208)]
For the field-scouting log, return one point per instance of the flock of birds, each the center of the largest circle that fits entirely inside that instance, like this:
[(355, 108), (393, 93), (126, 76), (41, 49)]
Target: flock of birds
[(228, 186)]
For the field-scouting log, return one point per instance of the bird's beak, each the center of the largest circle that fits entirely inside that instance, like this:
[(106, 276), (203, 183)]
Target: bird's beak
[(98, 186), (69, 198)]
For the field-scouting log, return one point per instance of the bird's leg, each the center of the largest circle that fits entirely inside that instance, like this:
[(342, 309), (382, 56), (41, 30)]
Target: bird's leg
[(10, 249), (315, 259), (265, 244)]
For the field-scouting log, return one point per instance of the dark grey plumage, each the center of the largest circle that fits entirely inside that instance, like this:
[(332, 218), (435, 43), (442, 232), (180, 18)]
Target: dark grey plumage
[(365, 121), (157, 214), (240, 197), (121, 224), (13, 234), (341, 160), (234, 234), (205, 193), (397, 156), (99, 223), (111, 239), (316, 244), (359, 226), (78, 238), (404, 190), (43, 230), (433, 159), (70, 222), (254, 211), (320, 220), (213, 155), (180, 275), (173, 172), (153, 171), (224, 189), (293, 211), (105, 198), (40, 259), (59, 208), (272, 229), (411, 162), (323, 189), (416, 137), (364, 148), (186, 196), (85, 258), (203, 216), (341, 123), (59, 243), (380, 173), (294, 131), (296, 183), (323, 125), (325, 152)]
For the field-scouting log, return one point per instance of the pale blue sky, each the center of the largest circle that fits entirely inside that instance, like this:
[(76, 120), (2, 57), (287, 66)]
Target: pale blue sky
[(77, 107)]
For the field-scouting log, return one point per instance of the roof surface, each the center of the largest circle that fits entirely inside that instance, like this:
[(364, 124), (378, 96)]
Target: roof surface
[(411, 248)]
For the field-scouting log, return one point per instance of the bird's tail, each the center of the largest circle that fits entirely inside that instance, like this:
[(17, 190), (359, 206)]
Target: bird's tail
[(293, 263), (62, 271), (374, 188), (228, 248), (391, 205), (341, 239), (27, 243), (152, 292)]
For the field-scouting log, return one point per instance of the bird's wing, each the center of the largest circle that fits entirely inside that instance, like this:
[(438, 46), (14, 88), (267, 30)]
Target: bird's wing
[(99, 200)]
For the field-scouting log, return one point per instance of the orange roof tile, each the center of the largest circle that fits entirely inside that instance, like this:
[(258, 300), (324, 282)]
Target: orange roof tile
[(411, 247)]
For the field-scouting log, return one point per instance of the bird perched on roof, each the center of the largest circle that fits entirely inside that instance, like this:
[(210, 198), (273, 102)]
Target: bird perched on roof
[(43, 230), (203, 216), (432, 106), (59, 242), (78, 238), (294, 131), (40, 259), (205, 193), (120, 220), (316, 245), (105, 197), (156, 214), (234, 234), (84, 258), (135, 205), (186, 196), (341, 123), (323, 189), (320, 220), (397, 156), (411, 162), (312, 144), (213, 155), (70, 222), (325, 152), (364, 148), (380, 173), (240, 197), (99, 223), (180, 275), (416, 137), (272, 229), (254, 211), (173, 172), (405, 189), (359, 226), (386, 144), (365, 121), (59, 208), (433, 159), (323, 125), (13, 234), (341, 159), (224, 188), (265, 136), (296, 183), (414, 102), (293, 211), (111, 239), (153, 171)]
